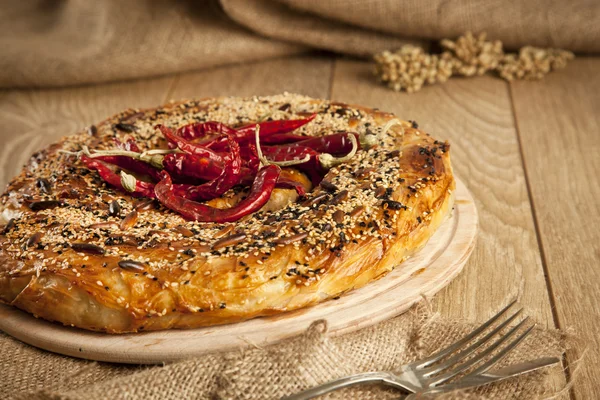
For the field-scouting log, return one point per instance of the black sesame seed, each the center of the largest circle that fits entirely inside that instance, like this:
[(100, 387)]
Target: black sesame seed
[(44, 185), (394, 205), (131, 265), (125, 127), (338, 198), (189, 252), (8, 226), (92, 130), (45, 204), (33, 239), (328, 186), (114, 208), (88, 248)]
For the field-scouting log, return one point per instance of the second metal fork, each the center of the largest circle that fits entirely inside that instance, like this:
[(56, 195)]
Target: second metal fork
[(434, 371)]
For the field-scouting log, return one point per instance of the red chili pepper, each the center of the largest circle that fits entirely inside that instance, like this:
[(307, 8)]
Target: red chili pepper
[(129, 145), (246, 133), (287, 153), (282, 183), (228, 178), (250, 157), (317, 165), (285, 183), (336, 144), (278, 126), (312, 167), (283, 138), (109, 176), (133, 165), (196, 130), (188, 147), (259, 195), (182, 165)]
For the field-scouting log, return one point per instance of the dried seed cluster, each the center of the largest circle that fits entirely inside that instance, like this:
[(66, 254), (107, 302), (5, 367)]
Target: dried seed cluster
[(532, 63), (409, 68), (472, 55)]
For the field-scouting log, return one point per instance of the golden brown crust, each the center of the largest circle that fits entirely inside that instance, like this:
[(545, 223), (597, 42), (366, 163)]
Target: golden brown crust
[(186, 274)]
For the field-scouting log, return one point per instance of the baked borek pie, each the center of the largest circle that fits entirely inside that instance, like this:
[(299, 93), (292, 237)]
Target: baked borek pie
[(215, 211)]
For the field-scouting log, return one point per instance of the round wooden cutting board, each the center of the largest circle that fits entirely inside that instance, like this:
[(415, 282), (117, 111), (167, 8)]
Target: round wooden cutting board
[(432, 268)]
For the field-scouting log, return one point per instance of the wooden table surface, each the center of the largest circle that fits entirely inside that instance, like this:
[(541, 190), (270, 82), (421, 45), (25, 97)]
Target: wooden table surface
[(528, 151)]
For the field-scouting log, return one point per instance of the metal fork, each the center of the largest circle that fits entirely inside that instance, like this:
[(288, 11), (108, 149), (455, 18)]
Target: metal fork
[(474, 379), (434, 371)]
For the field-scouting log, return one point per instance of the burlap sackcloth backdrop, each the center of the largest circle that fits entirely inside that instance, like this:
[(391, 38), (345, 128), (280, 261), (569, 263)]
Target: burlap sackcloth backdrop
[(69, 42), (277, 370)]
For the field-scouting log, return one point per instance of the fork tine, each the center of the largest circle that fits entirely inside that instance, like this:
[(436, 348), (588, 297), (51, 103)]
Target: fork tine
[(492, 361), (469, 350), (462, 367), (456, 345)]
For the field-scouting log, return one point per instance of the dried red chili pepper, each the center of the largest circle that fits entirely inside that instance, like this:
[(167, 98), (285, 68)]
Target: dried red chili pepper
[(182, 165), (277, 126), (250, 157), (283, 138), (282, 183), (188, 147), (201, 129), (314, 164), (129, 145), (111, 177), (259, 195), (131, 164), (310, 166), (228, 178), (246, 133), (337, 144), (287, 153), (285, 183)]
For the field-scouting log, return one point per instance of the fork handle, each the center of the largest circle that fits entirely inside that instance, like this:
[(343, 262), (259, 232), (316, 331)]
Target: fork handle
[(352, 380)]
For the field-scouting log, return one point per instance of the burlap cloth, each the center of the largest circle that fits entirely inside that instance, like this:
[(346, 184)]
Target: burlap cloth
[(68, 42), (277, 370)]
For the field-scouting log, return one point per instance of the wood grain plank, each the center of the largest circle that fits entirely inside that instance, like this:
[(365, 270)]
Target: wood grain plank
[(308, 75), (32, 119), (559, 125), (475, 116)]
